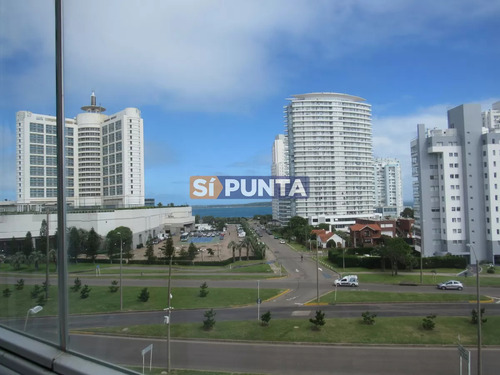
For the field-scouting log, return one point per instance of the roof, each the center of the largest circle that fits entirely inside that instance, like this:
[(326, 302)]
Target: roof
[(323, 234), (360, 227)]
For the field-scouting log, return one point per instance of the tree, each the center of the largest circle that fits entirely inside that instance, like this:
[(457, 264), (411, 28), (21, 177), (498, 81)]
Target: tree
[(265, 318), (368, 318), (475, 316), (17, 260), (41, 244), (318, 320), (150, 252), (247, 244), (192, 251), (204, 289), (36, 257), (407, 213), (28, 244), (144, 295), (85, 292), (397, 251), (93, 244), (233, 245), (119, 239), (209, 321), (168, 248), (74, 243)]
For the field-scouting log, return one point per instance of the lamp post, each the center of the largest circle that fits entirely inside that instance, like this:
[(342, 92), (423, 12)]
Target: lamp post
[(317, 273), (47, 256), (32, 311), (479, 317), (121, 257), (169, 301)]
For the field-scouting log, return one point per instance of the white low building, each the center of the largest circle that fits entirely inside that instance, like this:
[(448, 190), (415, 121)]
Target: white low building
[(141, 221)]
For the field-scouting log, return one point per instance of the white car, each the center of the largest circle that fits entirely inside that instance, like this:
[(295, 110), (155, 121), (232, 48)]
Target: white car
[(349, 280), (452, 284), (282, 241)]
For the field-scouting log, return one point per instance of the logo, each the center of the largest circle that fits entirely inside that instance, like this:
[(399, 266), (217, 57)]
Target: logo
[(248, 187)]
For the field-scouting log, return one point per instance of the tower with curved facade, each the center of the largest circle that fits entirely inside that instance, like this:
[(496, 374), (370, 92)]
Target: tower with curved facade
[(330, 141)]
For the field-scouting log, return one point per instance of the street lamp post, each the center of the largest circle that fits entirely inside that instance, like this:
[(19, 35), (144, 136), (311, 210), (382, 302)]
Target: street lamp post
[(479, 317), (169, 301), (32, 311), (121, 257)]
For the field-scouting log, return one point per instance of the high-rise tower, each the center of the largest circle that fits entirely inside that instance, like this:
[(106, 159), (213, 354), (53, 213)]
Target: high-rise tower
[(330, 141), (104, 158)]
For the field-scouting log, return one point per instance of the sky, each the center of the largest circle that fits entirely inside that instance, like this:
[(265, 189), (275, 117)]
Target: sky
[(211, 77)]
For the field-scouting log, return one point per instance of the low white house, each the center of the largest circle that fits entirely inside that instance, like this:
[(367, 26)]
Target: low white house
[(323, 237)]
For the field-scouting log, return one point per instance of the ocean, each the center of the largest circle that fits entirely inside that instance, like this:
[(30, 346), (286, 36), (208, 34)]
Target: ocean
[(243, 211)]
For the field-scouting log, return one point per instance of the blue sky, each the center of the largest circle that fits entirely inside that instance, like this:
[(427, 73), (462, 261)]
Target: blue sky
[(211, 77)]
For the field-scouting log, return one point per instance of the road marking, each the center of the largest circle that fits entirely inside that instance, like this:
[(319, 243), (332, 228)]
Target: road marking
[(301, 313), (291, 299), (296, 270)]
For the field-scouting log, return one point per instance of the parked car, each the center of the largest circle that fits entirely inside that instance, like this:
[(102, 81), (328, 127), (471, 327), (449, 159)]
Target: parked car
[(451, 284), (349, 280), (282, 241)]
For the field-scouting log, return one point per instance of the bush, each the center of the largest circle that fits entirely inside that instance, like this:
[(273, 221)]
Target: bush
[(318, 321), (7, 292), (144, 295), (474, 318), (369, 318), (203, 290), (209, 321), (36, 291), (428, 322), (85, 292), (41, 300), (114, 286), (19, 284), (265, 318), (77, 285), (491, 269)]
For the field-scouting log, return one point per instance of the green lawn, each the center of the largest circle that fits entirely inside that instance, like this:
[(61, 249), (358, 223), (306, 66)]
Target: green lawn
[(353, 295), (102, 300), (398, 331)]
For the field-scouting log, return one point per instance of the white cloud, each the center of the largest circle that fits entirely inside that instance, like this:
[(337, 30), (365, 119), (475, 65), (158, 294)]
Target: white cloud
[(210, 55)]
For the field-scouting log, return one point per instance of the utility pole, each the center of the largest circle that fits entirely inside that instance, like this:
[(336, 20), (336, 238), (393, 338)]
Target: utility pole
[(47, 257), (169, 312), (121, 257)]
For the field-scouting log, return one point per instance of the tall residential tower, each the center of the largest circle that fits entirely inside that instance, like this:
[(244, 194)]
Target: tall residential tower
[(456, 185), (330, 141), (104, 158), (388, 187)]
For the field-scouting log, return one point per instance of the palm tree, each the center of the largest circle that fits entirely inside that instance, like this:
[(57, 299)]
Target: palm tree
[(246, 243), (234, 245)]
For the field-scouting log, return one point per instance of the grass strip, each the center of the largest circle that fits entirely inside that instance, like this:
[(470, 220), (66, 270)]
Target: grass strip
[(394, 331), (101, 300)]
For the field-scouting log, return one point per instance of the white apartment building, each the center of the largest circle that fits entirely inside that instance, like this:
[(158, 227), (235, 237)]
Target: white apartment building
[(330, 141), (388, 187), (280, 167), (456, 185), (104, 158)]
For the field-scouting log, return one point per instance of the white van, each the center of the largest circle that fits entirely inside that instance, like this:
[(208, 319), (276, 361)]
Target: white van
[(349, 280)]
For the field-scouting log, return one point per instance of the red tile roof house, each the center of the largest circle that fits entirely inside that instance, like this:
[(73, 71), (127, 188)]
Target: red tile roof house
[(323, 237), (365, 235)]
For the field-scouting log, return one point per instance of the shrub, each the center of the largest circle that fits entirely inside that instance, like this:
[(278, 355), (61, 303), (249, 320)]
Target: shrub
[(19, 284), (474, 318), (369, 318), (114, 286), (7, 292), (428, 322), (203, 290), (209, 321), (318, 321), (36, 291), (77, 285), (144, 295), (265, 318), (491, 269), (45, 286), (85, 292), (41, 300)]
